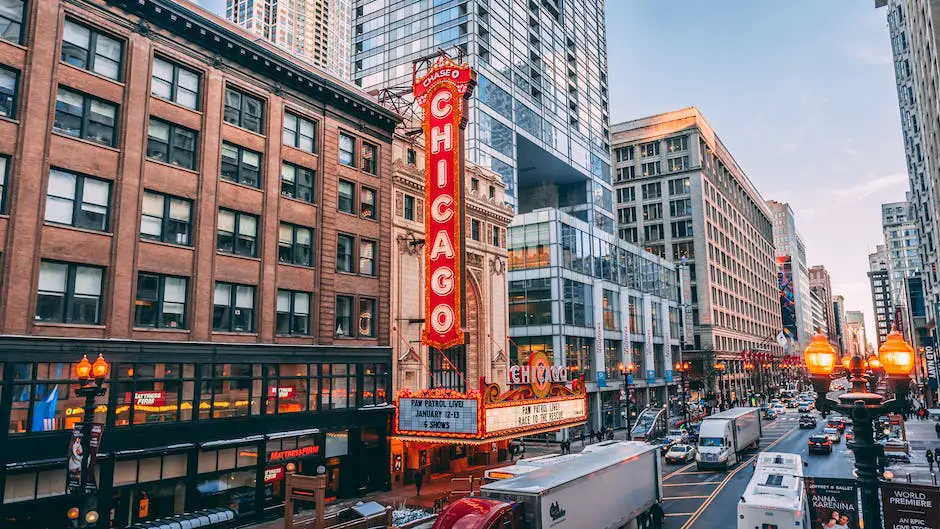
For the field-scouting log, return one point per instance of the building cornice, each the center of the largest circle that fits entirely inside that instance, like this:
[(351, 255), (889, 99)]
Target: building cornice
[(228, 43)]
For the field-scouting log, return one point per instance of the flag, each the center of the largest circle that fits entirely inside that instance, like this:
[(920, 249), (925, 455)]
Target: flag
[(44, 411)]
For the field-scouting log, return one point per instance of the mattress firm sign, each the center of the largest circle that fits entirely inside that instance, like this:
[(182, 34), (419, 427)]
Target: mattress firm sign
[(437, 415), (533, 415)]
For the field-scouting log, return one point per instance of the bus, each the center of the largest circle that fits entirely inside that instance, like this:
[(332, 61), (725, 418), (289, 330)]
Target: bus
[(775, 496)]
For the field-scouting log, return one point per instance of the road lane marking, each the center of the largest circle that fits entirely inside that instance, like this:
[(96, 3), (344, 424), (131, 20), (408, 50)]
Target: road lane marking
[(679, 514), (684, 497), (741, 466), (671, 474), (690, 484)]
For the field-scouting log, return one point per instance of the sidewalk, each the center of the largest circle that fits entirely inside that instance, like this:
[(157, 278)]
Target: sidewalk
[(921, 436), (437, 487)]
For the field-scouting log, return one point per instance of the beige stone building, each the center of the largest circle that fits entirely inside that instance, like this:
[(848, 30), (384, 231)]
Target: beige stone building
[(488, 217)]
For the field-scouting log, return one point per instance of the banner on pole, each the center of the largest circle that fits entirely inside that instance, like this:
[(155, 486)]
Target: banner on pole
[(908, 506), (833, 502)]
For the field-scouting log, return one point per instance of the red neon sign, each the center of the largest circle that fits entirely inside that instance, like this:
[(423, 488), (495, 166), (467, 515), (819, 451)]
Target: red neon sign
[(442, 93), (281, 455)]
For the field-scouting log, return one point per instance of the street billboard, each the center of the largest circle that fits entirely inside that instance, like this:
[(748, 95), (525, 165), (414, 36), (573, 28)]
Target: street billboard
[(787, 299), (908, 506), (833, 502)]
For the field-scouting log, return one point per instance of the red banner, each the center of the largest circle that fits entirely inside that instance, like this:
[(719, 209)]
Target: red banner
[(285, 392), (442, 93)]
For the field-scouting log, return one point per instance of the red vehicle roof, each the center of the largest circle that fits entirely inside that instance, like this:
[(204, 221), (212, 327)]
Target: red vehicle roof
[(471, 513)]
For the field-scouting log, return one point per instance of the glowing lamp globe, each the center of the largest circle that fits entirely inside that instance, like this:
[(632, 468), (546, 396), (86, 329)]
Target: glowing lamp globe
[(874, 362), (101, 368), (83, 369), (820, 357), (896, 355)]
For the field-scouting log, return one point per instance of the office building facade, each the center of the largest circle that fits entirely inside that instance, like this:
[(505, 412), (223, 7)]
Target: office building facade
[(539, 113), (855, 338), (821, 284), (316, 31), (594, 304), (792, 276), (914, 44), (881, 301), (164, 206), (819, 312), (838, 311), (902, 245), (681, 196)]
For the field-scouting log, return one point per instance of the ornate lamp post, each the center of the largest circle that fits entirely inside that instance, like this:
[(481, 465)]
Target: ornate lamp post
[(683, 368), (749, 368), (626, 371), (91, 377), (719, 368), (896, 357)]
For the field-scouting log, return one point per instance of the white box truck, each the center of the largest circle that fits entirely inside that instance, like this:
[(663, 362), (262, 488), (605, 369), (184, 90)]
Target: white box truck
[(607, 489), (723, 437)]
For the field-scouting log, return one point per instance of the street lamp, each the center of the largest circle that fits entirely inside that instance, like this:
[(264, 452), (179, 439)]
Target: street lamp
[(720, 368), (683, 368), (91, 377), (626, 371), (896, 357), (749, 367)]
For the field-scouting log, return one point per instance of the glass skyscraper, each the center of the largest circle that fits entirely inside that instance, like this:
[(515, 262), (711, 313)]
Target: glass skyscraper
[(539, 113)]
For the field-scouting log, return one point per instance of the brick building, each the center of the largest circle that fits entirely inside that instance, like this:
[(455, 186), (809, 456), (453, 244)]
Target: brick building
[(208, 212)]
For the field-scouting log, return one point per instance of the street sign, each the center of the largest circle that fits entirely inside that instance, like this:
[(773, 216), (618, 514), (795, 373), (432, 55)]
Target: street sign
[(910, 506), (830, 498)]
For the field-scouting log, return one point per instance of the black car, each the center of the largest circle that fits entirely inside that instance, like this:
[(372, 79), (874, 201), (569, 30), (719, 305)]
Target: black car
[(819, 443), (807, 421)]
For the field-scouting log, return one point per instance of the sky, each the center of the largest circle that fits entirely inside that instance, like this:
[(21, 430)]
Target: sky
[(801, 92)]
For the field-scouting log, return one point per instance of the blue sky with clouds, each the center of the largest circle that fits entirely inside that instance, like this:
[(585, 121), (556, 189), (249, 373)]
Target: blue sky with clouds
[(802, 93)]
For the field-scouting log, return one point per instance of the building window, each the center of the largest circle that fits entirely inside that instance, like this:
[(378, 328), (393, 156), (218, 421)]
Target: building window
[(649, 149), (578, 355), (528, 246), (367, 203), (243, 110), (653, 232), (91, 50), (636, 315), (578, 304), (475, 229), (677, 164), (4, 176), (300, 133), (297, 182), (680, 186), (77, 200), (165, 218), (233, 308), (683, 228), (85, 117), (611, 308), (293, 313), (652, 211), (347, 150), (366, 318), (171, 144), (626, 215), (496, 236), (241, 165), (238, 233), (680, 208), (626, 173), (175, 83), (11, 19), (370, 158), (678, 144), (367, 251), (409, 211), (344, 309), (295, 245), (624, 154), (344, 253), (530, 302), (412, 157), (346, 191), (161, 301), (654, 190), (69, 293), (629, 235), (626, 195), (651, 169), (683, 250), (8, 81)]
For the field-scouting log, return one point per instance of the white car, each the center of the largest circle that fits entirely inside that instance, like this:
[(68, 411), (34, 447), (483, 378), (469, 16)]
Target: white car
[(780, 409), (680, 453), (833, 434)]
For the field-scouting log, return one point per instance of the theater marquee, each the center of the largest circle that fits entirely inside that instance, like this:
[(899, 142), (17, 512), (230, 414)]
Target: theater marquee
[(443, 92)]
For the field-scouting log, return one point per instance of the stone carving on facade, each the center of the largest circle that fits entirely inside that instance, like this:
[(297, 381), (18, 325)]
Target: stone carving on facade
[(475, 260), (143, 28), (497, 266), (409, 244)]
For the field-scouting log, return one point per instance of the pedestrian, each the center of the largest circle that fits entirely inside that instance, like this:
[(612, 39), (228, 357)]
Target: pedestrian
[(930, 459), (936, 428), (419, 479), (657, 516)]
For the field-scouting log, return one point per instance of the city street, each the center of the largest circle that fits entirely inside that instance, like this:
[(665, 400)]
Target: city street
[(710, 498)]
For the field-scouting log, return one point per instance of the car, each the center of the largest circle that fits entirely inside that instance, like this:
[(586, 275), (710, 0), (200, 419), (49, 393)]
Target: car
[(803, 408), (819, 443), (780, 409), (833, 434), (807, 421), (764, 406), (837, 423), (680, 453), (770, 414), (849, 435), (792, 403), (678, 436), (664, 444)]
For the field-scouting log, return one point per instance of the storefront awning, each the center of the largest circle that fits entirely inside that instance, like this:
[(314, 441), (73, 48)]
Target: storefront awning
[(160, 450), (37, 464), (229, 442), (292, 433)]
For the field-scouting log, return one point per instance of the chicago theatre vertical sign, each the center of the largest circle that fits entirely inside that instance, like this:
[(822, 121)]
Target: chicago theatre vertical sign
[(443, 92)]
